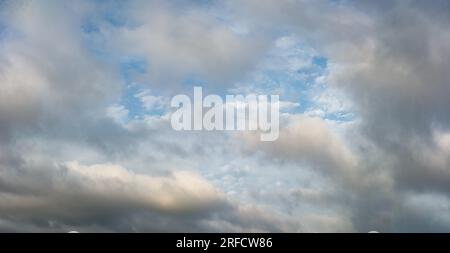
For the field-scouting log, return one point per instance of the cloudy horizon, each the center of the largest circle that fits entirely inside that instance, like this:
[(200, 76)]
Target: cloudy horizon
[(86, 142)]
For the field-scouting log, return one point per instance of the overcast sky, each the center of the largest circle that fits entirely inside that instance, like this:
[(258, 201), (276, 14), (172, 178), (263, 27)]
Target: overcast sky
[(86, 142)]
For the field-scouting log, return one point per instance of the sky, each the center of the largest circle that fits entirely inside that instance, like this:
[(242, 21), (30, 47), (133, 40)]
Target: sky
[(86, 142)]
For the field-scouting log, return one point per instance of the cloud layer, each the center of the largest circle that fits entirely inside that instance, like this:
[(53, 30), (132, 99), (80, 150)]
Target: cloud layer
[(85, 137)]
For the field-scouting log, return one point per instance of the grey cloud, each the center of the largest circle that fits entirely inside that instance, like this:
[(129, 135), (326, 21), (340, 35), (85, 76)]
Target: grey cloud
[(309, 140), (46, 71), (401, 87), (73, 194), (188, 42), (390, 169), (392, 58)]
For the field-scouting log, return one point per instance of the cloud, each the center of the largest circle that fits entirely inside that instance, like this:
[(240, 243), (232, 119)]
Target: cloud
[(183, 192), (191, 42), (75, 193), (399, 83), (150, 102), (65, 96), (117, 112), (45, 79), (310, 141), (391, 58)]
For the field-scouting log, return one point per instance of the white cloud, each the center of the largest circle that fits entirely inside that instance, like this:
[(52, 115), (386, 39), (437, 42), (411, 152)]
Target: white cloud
[(117, 112), (183, 191), (151, 102)]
